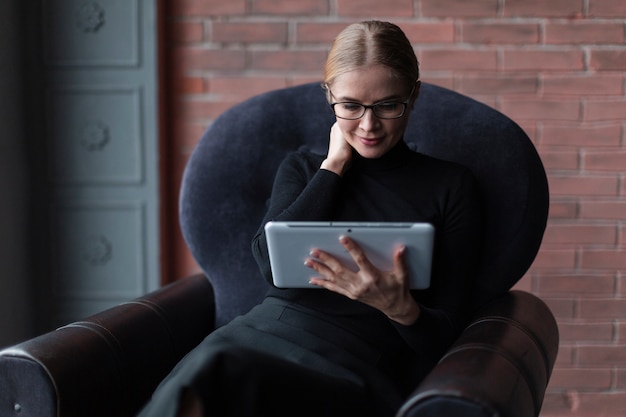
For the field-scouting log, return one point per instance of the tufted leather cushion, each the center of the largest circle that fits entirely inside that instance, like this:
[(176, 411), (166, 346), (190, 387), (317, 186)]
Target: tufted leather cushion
[(110, 363), (499, 366)]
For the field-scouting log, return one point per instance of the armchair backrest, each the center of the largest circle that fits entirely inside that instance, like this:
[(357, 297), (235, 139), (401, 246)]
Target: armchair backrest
[(229, 176)]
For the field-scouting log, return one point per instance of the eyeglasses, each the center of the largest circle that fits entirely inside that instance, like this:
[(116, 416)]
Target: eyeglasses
[(384, 110)]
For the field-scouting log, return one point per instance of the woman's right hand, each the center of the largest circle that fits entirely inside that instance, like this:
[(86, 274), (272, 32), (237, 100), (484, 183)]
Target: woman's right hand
[(339, 152)]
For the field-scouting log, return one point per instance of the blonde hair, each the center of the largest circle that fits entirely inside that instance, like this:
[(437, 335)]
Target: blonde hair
[(372, 43)]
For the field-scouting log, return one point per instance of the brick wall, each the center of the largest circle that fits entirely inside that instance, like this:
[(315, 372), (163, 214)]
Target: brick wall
[(556, 67)]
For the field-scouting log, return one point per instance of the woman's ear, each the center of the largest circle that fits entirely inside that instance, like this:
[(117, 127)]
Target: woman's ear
[(326, 89)]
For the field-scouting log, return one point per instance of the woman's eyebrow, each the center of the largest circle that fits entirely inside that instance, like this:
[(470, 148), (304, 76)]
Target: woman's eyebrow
[(393, 97)]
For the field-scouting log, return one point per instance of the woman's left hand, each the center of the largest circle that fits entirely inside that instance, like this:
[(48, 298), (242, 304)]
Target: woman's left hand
[(387, 291)]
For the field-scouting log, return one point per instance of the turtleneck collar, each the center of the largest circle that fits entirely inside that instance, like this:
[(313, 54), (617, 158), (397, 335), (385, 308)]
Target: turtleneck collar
[(395, 157)]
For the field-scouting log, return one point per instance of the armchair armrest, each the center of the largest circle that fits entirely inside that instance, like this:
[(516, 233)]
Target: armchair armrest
[(110, 363), (499, 366)]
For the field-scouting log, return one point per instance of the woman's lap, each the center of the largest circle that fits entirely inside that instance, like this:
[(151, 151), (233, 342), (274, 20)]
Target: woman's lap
[(265, 363)]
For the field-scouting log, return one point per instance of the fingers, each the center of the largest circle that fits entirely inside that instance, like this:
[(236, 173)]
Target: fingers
[(399, 261), (333, 275), (356, 253)]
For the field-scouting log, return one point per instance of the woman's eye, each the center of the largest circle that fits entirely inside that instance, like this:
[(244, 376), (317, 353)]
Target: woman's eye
[(387, 107), (351, 106)]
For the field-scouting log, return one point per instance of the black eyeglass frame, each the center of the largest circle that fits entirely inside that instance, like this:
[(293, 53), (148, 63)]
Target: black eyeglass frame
[(404, 104)]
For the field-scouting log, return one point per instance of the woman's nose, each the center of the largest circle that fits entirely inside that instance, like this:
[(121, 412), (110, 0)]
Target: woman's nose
[(369, 120)]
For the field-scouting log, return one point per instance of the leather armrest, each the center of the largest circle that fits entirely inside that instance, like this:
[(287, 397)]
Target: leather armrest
[(499, 366), (110, 363)]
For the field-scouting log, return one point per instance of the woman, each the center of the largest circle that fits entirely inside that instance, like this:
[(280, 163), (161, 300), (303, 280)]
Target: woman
[(361, 343)]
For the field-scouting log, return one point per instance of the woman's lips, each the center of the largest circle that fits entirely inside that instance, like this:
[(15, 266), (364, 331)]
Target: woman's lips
[(370, 141)]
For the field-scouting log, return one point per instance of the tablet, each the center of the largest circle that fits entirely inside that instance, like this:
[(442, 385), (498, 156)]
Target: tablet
[(290, 243)]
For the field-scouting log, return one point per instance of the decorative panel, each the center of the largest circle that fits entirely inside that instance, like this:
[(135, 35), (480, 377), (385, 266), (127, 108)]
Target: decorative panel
[(88, 33), (95, 135), (98, 249)]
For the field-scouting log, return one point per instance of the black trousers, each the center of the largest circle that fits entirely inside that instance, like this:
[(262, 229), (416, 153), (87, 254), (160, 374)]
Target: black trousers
[(280, 360)]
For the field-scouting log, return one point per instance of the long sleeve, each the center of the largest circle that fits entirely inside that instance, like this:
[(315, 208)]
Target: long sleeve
[(445, 305), (301, 191)]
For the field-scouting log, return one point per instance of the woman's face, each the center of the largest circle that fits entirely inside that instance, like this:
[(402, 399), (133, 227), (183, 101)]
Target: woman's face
[(371, 136)]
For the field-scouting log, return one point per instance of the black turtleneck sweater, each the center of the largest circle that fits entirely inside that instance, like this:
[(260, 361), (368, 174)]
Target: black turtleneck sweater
[(401, 186)]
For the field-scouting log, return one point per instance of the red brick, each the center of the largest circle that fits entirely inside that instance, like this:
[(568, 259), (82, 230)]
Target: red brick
[(283, 60), (584, 32), (595, 379), (605, 259), (500, 33), (299, 79), (188, 133), (564, 59), (282, 7), (607, 60), (429, 32), (607, 8), (459, 59), (579, 234), (202, 110), (541, 109), (247, 32), (573, 185), (565, 356), (563, 209), (497, 84), (205, 59), (206, 7), (437, 79), (186, 32), (560, 160), (561, 308), (621, 333), (241, 88), (542, 8), (604, 110), (612, 209), (576, 285), (620, 379), (317, 32), (621, 285), (555, 259), (388, 8), (604, 161), (606, 355), (577, 135), (578, 85), (459, 8), (190, 85), (574, 403)]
